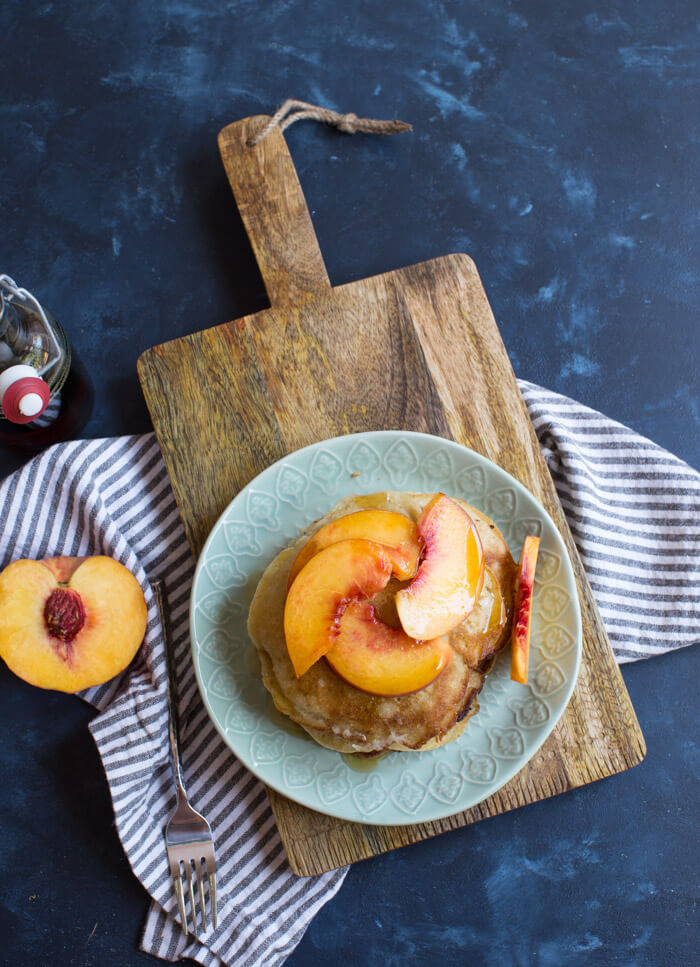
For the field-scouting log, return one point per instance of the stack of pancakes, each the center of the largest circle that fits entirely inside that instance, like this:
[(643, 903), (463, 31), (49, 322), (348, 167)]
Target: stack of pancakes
[(344, 718)]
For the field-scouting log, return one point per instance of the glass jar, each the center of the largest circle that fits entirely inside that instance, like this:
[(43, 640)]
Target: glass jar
[(45, 392)]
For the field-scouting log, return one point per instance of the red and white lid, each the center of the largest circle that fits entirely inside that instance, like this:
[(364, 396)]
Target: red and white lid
[(23, 394)]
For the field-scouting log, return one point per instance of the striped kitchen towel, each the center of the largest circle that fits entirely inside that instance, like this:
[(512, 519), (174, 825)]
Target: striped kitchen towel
[(634, 512), (633, 509)]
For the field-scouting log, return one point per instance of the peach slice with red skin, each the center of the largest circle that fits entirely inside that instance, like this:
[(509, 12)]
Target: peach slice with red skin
[(522, 611), (384, 661), (450, 575), (69, 623), (395, 531), (321, 592)]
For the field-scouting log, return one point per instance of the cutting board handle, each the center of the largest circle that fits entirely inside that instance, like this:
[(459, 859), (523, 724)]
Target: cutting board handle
[(274, 211)]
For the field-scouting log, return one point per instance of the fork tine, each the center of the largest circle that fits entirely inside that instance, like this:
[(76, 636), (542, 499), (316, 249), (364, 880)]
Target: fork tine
[(177, 879), (188, 871), (200, 892), (212, 897)]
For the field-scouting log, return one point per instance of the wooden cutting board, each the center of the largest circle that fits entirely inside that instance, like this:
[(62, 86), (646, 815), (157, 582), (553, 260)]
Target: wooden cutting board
[(418, 349)]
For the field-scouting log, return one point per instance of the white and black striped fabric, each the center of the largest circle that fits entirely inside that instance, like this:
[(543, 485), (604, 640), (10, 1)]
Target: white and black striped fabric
[(114, 497), (633, 509)]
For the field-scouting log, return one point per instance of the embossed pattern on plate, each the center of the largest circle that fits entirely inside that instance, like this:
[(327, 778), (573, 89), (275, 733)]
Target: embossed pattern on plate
[(513, 720)]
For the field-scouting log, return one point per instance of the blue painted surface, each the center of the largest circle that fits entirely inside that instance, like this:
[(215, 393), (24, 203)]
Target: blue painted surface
[(554, 142)]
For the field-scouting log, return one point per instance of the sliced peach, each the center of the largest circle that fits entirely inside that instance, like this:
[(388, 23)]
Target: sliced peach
[(450, 575), (69, 623), (522, 611), (322, 591), (396, 531), (382, 660)]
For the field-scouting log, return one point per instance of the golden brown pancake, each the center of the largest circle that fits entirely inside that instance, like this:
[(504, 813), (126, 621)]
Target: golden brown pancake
[(344, 718)]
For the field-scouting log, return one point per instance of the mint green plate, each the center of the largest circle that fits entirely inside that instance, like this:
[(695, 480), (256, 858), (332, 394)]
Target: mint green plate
[(514, 720)]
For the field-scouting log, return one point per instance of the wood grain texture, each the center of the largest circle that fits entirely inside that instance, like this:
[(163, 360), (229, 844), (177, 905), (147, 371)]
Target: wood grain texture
[(272, 205), (418, 349)]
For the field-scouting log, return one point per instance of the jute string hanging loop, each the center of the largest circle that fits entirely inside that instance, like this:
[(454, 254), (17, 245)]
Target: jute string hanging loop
[(293, 111)]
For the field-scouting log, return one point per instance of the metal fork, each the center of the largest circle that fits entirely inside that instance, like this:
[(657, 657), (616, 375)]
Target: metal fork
[(188, 837)]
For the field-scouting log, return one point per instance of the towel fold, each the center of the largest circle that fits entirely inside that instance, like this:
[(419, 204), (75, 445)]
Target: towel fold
[(632, 508)]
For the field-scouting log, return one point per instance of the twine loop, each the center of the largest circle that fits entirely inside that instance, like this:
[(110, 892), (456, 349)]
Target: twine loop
[(293, 111)]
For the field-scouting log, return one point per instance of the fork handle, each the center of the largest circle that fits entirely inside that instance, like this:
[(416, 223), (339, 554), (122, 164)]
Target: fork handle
[(171, 684)]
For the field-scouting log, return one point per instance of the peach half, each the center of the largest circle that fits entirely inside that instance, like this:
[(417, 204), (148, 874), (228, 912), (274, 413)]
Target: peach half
[(324, 587), (395, 531), (69, 622), (384, 661), (450, 574), (522, 611)]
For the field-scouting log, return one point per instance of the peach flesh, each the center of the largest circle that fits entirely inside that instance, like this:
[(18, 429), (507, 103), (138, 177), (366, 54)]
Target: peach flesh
[(321, 592), (381, 660), (396, 532), (522, 611), (69, 623), (450, 576)]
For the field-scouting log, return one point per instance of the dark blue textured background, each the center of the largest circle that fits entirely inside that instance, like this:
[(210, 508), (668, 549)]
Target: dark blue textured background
[(555, 142)]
